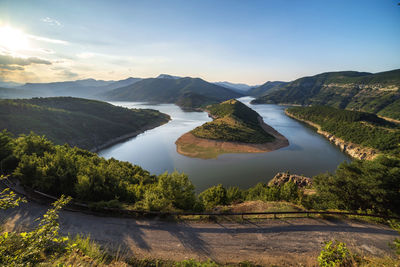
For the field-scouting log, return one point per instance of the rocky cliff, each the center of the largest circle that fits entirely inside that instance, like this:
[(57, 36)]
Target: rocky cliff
[(284, 177), (353, 150)]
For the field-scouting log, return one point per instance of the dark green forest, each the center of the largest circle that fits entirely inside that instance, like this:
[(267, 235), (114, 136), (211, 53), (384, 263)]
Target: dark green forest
[(75, 121), (357, 127)]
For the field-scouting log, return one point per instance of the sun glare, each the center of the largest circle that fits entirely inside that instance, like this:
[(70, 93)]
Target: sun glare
[(13, 39)]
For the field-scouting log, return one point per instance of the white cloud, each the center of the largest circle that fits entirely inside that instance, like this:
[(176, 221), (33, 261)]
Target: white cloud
[(50, 21), (47, 40), (85, 55)]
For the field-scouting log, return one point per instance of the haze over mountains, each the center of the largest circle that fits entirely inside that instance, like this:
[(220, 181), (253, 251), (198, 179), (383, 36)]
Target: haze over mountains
[(376, 93)]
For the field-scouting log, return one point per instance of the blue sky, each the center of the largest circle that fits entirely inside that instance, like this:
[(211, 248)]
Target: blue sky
[(238, 41)]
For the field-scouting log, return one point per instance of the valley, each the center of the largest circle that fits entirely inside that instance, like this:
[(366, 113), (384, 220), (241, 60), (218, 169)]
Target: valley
[(308, 152)]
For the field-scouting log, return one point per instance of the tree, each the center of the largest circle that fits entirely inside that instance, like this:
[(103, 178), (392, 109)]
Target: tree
[(362, 185)]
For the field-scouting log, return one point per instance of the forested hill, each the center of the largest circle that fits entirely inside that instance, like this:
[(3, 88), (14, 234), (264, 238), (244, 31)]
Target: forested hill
[(186, 92), (233, 122), (78, 122), (361, 128), (265, 88), (376, 93)]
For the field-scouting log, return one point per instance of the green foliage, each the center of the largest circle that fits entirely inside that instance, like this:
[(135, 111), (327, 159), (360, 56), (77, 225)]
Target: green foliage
[(377, 93), (335, 254), (35, 246), (178, 189), (6, 151), (8, 199), (361, 185), (234, 122), (396, 243), (234, 195), (357, 127), (287, 192), (213, 196), (194, 263), (171, 191), (64, 170), (78, 122)]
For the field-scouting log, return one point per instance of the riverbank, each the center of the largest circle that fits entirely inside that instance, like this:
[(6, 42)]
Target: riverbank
[(192, 146), (354, 150), (125, 137)]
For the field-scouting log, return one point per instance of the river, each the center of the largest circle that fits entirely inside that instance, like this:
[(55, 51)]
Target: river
[(308, 153)]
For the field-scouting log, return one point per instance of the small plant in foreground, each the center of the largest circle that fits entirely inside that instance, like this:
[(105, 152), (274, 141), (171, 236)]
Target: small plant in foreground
[(335, 254), (33, 247)]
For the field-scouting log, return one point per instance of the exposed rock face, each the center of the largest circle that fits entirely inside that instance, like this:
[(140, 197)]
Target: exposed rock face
[(353, 150), (284, 177)]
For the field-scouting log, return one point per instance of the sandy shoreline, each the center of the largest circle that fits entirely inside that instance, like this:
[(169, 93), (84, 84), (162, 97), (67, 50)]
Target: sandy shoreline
[(192, 146)]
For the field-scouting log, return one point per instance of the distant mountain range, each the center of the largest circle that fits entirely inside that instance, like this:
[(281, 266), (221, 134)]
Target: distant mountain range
[(240, 87), (81, 88), (377, 93), (186, 92)]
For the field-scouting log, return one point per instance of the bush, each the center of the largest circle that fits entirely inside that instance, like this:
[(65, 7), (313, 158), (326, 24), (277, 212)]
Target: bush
[(334, 254), (234, 195), (213, 197), (177, 189)]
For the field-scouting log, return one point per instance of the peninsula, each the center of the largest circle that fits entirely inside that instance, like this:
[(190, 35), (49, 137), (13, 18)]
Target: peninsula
[(235, 128)]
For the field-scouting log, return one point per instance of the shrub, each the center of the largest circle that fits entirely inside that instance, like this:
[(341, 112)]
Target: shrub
[(213, 196), (177, 189), (234, 195), (335, 254)]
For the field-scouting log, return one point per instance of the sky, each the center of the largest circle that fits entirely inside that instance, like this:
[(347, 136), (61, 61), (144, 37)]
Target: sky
[(238, 41)]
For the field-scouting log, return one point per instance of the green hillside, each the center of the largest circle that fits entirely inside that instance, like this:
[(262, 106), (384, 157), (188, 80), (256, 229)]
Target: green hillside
[(265, 88), (78, 122), (376, 93), (233, 122), (173, 91), (361, 128)]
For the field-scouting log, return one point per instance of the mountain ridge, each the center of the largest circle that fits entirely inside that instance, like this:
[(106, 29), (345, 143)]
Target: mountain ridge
[(377, 93)]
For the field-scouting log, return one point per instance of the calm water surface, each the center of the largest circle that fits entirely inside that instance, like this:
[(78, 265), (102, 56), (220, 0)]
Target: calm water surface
[(155, 150)]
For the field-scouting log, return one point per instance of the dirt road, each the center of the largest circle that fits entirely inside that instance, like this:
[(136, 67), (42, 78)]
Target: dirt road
[(283, 242)]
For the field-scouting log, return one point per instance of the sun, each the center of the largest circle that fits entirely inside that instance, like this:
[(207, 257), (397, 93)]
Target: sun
[(13, 39)]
